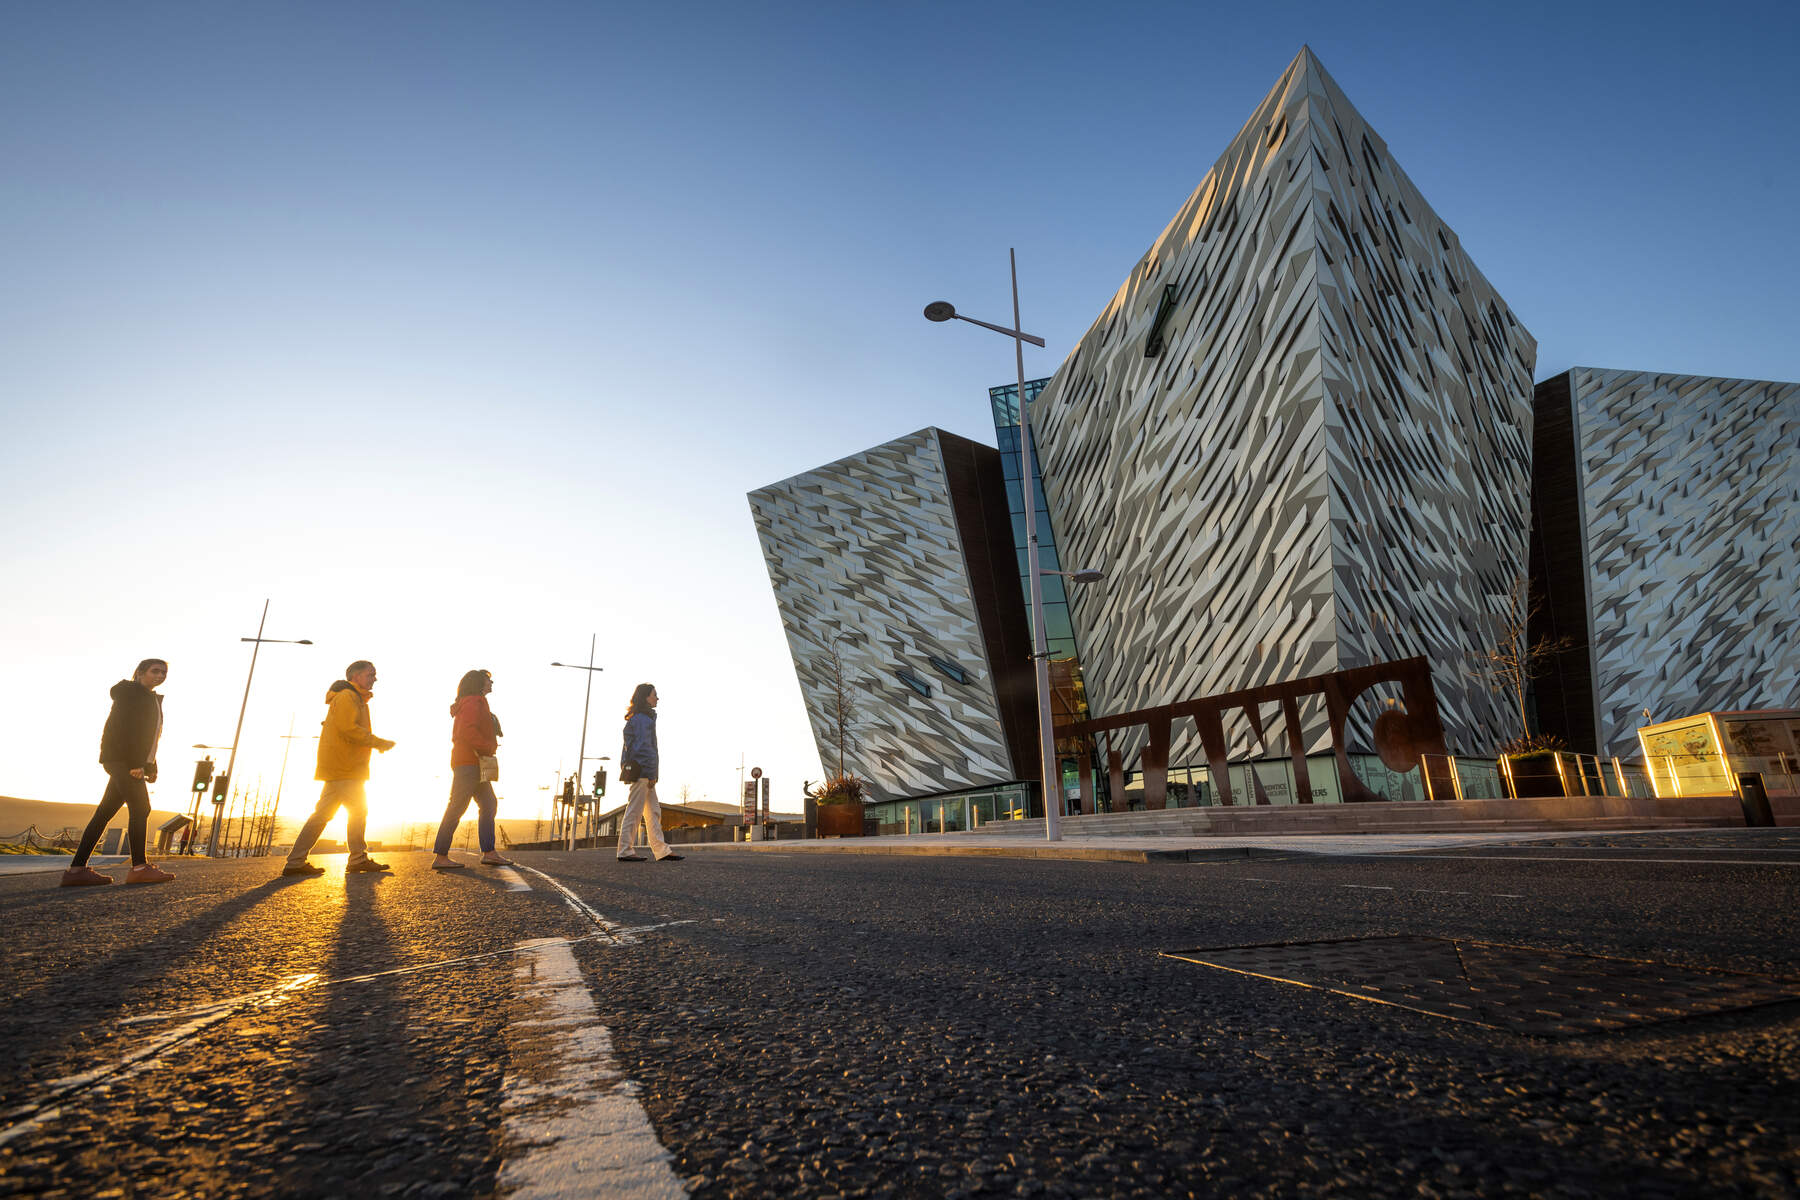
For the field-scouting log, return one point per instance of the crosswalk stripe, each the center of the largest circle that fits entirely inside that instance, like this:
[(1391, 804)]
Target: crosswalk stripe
[(577, 1119)]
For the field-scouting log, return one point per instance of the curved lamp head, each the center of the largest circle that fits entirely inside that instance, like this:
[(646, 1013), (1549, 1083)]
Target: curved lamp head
[(304, 642), (1088, 576), (940, 310)]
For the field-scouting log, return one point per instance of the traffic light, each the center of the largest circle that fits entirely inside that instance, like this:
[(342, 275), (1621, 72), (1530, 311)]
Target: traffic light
[(202, 775), (569, 790), (600, 782), (221, 784)]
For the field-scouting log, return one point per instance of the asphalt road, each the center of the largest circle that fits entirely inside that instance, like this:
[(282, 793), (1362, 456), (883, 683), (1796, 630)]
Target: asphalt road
[(813, 1024)]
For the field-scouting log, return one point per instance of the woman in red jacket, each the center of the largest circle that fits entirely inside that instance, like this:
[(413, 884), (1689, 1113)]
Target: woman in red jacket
[(474, 735)]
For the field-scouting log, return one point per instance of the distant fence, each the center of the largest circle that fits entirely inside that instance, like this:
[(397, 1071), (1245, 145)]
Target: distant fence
[(63, 839)]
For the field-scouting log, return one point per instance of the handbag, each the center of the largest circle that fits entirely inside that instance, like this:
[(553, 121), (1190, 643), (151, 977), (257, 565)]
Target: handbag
[(628, 773), (490, 767)]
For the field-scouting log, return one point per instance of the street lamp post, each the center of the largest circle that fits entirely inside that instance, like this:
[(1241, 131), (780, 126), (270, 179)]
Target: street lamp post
[(212, 849), (289, 738), (1051, 774), (586, 703)]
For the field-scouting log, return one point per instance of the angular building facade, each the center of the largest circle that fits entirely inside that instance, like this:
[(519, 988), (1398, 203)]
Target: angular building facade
[(1666, 548), (1298, 438), (900, 558)]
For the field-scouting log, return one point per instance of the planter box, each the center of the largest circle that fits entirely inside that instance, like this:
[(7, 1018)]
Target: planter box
[(840, 820), (1536, 776)]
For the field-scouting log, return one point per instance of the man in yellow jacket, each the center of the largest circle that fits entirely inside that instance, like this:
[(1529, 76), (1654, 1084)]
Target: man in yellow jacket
[(344, 746)]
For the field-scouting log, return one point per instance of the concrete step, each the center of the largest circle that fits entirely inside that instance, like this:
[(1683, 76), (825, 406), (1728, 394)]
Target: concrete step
[(1424, 817)]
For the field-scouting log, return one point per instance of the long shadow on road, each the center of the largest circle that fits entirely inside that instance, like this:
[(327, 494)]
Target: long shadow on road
[(80, 1002)]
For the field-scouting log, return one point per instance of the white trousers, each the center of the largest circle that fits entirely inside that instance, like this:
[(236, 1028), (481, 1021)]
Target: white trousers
[(642, 807)]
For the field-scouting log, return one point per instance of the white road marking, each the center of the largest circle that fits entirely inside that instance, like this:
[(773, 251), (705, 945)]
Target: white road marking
[(661, 925), (569, 1110), (1367, 887), (579, 905)]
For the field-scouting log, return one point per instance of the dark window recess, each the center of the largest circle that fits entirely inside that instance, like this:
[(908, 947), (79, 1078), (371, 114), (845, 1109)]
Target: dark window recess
[(948, 669), (1153, 343), (912, 681)]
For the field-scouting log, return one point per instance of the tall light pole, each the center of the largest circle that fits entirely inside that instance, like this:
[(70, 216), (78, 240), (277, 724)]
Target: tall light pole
[(212, 849), (1051, 774), (275, 810), (586, 703)]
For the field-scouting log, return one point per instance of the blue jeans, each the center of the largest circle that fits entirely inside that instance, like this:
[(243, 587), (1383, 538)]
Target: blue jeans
[(466, 785)]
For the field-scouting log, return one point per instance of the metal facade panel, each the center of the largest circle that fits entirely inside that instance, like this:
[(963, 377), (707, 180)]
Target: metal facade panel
[(1328, 463), (1691, 492), (866, 552), (1428, 411)]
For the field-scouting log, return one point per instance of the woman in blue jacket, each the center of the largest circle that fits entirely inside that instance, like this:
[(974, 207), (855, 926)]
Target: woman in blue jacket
[(638, 766)]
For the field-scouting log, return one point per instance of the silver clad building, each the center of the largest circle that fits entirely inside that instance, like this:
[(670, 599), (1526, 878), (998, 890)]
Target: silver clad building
[(901, 558), (1666, 546), (1298, 438)]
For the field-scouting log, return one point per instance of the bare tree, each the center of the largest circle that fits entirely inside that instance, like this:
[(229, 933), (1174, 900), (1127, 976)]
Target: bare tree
[(1512, 661), (842, 714)]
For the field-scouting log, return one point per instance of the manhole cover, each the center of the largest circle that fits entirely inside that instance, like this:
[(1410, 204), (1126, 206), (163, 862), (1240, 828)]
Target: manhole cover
[(1543, 992)]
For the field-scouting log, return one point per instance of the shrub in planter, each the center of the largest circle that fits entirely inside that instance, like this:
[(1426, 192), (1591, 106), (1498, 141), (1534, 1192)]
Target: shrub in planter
[(840, 803), (1531, 760), (1535, 773)]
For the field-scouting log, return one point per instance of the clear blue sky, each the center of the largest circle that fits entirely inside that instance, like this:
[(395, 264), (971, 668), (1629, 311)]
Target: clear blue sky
[(461, 330)]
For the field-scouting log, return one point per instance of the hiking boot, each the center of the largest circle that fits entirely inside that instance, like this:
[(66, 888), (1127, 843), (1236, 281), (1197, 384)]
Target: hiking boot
[(368, 865), (83, 876), (304, 868), (147, 873)]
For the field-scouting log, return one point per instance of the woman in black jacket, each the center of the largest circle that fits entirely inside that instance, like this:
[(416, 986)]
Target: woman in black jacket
[(128, 752)]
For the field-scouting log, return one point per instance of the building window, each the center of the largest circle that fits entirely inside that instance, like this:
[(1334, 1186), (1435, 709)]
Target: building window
[(912, 681), (948, 669)]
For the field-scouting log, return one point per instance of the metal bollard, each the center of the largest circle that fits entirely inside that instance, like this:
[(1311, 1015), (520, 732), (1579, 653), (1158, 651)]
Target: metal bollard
[(1754, 799)]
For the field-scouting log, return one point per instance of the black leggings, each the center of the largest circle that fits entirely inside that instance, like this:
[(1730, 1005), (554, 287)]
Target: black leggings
[(121, 791)]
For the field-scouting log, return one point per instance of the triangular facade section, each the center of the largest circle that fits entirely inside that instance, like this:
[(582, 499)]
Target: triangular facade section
[(1298, 438)]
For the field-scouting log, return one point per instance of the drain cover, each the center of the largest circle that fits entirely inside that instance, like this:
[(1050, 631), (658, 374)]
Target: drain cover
[(1517, 988)]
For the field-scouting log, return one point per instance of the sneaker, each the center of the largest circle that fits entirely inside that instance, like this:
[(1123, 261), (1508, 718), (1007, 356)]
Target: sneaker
[(83, 877), (670, 858), (304, 868), (629, 858), (147, 873), (367, 864)]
